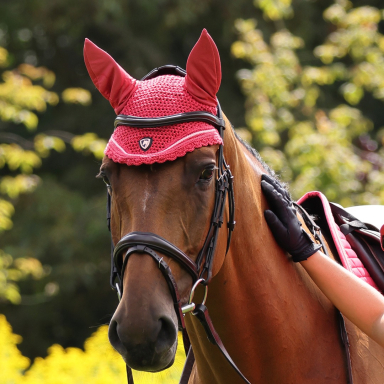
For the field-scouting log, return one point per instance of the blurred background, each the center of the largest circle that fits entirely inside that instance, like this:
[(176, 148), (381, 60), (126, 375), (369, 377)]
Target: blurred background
[(303, 82)]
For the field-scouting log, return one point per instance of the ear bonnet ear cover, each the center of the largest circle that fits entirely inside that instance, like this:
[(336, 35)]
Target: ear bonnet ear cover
[(204, 70), (109, 78), (161, 96)]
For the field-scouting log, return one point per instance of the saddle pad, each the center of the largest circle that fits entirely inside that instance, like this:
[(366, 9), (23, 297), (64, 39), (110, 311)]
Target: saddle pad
[(347, 255)]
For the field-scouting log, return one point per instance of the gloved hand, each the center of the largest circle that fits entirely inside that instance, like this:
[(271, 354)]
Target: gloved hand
[(283, 222)]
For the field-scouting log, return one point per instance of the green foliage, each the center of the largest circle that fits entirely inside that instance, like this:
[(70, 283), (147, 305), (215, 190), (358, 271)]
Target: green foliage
[(19, 96), (275, 9), (20, 102), (312, 143), (67, 233), (62, 223), (89, 143), (44, 143), (11, 271), (77, 96)]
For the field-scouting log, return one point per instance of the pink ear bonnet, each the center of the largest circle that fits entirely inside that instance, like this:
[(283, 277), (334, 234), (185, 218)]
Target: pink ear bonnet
[(157, 97)]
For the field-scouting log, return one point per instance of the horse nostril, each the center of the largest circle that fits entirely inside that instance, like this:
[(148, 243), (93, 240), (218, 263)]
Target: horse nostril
[(114, 338), (167, 335)]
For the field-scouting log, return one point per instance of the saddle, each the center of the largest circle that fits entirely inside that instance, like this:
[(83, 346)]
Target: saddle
[(359, 245)]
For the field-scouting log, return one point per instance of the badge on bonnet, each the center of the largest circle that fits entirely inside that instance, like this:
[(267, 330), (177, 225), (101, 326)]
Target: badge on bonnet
[(145, 143)]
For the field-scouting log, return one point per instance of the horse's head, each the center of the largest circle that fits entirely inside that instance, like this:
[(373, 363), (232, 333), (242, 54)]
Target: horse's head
[(162, 188), (172, 200)]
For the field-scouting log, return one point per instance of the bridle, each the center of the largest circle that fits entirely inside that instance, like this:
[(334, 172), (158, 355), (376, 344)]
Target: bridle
[(202, 268), (150, 243)]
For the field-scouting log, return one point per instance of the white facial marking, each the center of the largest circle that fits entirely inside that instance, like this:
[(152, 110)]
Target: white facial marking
[(146, 193)]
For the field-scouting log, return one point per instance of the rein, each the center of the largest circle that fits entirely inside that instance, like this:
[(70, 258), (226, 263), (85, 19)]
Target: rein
[(150, 243)]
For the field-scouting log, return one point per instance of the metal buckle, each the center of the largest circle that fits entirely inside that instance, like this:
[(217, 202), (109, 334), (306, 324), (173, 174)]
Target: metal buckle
[(191, 306), (118, 291)]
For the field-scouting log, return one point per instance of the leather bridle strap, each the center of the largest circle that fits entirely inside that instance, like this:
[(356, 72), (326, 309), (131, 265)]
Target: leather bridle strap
[(166, 271), (224, 186), (129, 375), (164, 268), (187, 117), (157, 243), (201, 312), (149, 243), (136, 242)]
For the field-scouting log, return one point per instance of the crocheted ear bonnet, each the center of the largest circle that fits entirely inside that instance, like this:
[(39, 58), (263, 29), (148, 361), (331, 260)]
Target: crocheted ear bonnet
[(161, 96)]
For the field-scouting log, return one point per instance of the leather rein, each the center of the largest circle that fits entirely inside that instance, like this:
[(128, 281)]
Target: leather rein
[(150, 243)]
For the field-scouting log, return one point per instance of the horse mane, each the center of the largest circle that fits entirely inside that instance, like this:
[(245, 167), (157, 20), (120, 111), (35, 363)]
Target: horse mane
[(257, 156)]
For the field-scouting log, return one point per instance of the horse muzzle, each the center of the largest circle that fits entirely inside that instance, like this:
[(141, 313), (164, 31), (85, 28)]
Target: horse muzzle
[(144, 347), (144, 327)]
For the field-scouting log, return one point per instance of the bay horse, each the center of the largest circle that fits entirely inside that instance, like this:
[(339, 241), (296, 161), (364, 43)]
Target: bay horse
[(275, 323)]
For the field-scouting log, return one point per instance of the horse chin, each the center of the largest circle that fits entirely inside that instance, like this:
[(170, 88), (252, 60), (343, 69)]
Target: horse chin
[(140, 361), (149, 356), (150, 362), (164, 362)]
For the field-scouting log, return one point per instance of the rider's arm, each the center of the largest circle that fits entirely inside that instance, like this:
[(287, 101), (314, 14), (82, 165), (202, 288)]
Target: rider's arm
[(358, 301)]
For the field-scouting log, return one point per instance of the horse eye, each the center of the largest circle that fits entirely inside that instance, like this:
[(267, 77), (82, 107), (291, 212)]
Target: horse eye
[(106, 182), (207, 174)]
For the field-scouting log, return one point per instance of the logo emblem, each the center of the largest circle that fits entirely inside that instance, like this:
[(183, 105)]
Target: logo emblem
[(145, 143)]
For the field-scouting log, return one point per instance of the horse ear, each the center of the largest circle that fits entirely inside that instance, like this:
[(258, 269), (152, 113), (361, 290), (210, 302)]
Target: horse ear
[(110, 79), (204, 70)]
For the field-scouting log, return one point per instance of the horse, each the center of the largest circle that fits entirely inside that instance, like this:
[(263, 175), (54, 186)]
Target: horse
[(275, 323)]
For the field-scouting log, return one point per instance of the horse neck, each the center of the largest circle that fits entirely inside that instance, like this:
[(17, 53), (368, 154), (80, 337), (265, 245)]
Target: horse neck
[(254, 253), (255, 285), (255, 264)]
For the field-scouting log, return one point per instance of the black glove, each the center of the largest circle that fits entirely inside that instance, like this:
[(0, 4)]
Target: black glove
[(283, 222)]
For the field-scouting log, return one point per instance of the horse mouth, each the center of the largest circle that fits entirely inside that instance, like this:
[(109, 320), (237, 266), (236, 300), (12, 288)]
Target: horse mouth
[(145, 356)]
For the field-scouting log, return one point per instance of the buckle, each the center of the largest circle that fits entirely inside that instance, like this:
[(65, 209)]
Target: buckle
[(191, 306)]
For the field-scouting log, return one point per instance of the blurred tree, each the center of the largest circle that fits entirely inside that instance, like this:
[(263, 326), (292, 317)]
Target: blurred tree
[(19, 98), (62, 224), (308, 121)]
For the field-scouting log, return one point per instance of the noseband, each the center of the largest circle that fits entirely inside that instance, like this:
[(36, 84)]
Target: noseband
[(150, 243)]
